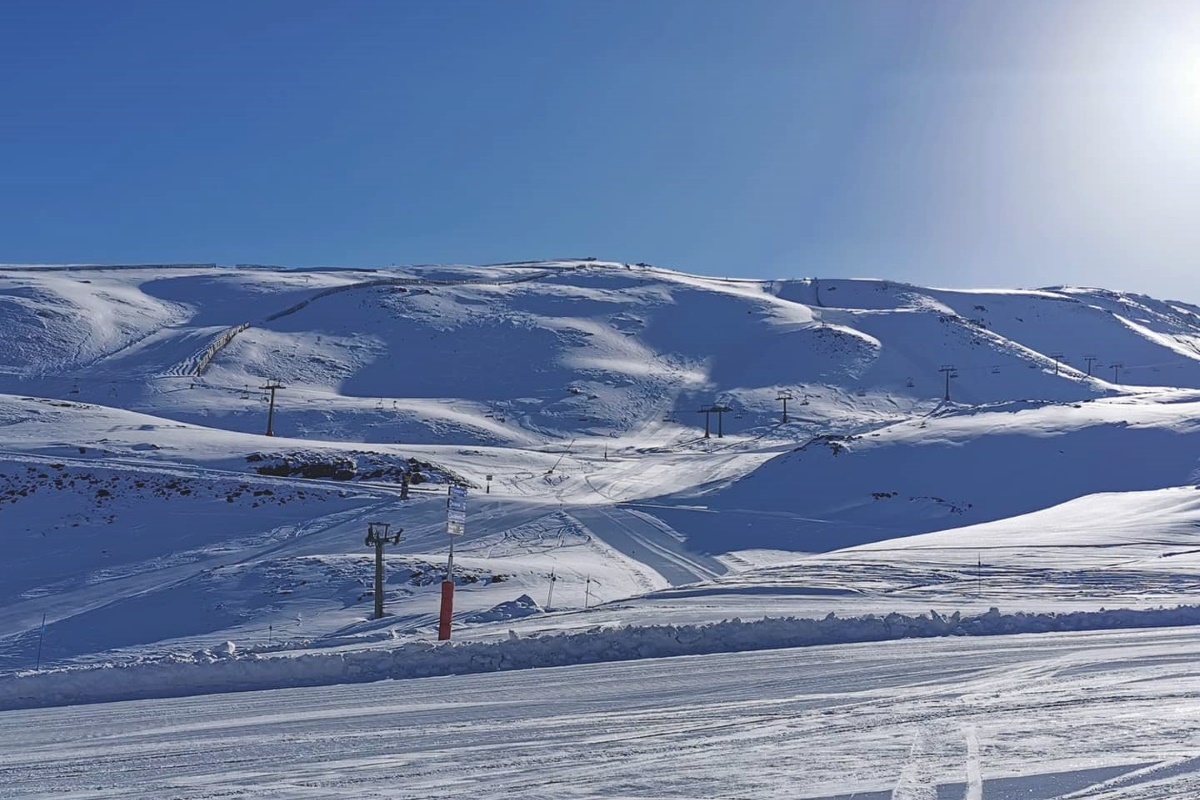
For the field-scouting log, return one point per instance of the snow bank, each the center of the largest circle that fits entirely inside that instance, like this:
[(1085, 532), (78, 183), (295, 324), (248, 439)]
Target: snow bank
[(523, 606), (228, 671)]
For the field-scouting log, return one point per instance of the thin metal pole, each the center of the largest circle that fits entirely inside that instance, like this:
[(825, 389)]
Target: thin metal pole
[(41, 638), (379, 578)]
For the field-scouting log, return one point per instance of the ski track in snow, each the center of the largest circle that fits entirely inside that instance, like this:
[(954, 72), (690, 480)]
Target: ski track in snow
[(633, 536)]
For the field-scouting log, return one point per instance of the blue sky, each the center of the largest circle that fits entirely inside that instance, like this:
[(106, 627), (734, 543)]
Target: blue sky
[(951, 143)]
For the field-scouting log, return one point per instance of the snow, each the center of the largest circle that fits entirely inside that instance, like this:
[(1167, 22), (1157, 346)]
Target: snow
[(172, 548), (1106, 715), (223, 670)]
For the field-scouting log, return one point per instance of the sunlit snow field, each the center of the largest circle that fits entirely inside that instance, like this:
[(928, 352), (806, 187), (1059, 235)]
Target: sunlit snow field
[(157, 532)]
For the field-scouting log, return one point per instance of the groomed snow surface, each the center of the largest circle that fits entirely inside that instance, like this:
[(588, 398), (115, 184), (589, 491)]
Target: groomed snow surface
[(987, 596), (1103, 716)]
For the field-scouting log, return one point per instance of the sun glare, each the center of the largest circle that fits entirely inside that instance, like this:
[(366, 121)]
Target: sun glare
[(1176, 96)]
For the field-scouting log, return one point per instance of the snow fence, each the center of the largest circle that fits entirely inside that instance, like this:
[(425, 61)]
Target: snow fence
[(206, 673)]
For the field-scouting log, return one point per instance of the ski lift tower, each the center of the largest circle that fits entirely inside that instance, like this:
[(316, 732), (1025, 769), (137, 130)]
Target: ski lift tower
[(720, 409), (377, 537), (784, 396), (272, 387)]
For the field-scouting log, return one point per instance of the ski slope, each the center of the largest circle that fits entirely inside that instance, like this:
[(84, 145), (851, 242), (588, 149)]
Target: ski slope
[(575, 385), (158, 544), (151, 526)]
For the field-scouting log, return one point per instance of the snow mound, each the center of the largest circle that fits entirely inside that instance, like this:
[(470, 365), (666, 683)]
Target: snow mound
[(187, 675), (523, 606)]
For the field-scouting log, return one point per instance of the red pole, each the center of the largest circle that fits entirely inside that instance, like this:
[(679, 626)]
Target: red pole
[(447, 611)]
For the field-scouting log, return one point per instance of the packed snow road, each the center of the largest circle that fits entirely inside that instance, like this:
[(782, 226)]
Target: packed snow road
[(1109, 716)]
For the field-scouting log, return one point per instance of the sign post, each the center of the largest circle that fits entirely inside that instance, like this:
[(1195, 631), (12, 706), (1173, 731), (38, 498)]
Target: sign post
[(456, 525)]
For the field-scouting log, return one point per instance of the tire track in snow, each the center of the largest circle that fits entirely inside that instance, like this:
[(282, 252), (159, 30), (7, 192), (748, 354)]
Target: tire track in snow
[(916, 779), (1138, 778), (974, 773)]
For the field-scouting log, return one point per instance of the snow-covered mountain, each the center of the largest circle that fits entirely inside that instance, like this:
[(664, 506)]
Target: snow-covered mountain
[(143, 510)]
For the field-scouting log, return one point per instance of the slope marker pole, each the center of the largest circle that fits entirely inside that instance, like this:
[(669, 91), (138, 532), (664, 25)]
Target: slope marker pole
[(456, 525)]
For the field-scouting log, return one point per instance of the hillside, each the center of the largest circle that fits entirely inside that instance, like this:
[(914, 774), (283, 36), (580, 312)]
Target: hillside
[(145, 512)]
